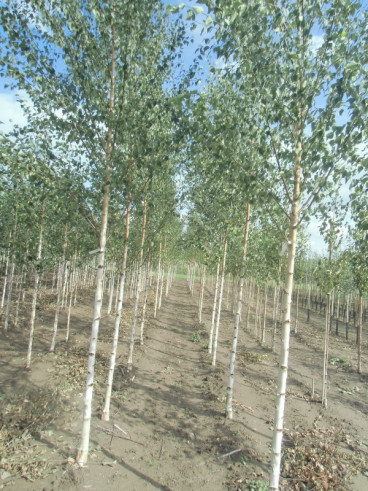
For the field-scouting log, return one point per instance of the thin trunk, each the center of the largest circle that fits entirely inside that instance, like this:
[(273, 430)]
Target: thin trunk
[(54, 276), (285, 336), (5, 279), (135, 310), (213, 320), (61, 285), (325, 353), (18, 287), (57, 310), (228, 293), (218, 316), (69, 308), (347, 318), (250, 287), (65, 284), (112, 284), (297, 310), (161, 285), (275, 315), (163, 274), (110, 377), (230, 387), (309, 303), (332, 309), (82, 455), (88, 396), (168, 281), (11, 279), (360, 333), (35, 288), (201, 295), (144, 307), (263, 337), (10, 289), (157, 284), (256, 323)]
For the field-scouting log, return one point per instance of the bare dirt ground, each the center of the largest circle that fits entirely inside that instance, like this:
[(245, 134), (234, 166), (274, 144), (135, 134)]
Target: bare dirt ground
[(167, 428)]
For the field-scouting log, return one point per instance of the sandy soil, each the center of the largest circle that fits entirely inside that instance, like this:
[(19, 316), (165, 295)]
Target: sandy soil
[(167, 428)]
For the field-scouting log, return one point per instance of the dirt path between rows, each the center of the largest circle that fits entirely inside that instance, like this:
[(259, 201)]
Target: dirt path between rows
[(167, 429)]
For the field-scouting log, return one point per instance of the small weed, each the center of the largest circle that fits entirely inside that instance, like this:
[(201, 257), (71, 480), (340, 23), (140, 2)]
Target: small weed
[(205, 346), (243, 460), (151, 463), (257, 485), (351, 391), (343, 363), (196, 337), (123, 395), (249, 357)]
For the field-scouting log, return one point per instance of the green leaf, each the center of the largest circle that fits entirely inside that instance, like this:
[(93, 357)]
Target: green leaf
[(198, 10), (208, 22)]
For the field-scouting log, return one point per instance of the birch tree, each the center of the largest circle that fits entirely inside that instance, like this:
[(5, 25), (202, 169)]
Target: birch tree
[(274, 49), (80, 64), (359, 252)]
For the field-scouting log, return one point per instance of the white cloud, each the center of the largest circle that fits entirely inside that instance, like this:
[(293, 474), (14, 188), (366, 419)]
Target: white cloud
[(11, 112), (316, 43), (316, 241)]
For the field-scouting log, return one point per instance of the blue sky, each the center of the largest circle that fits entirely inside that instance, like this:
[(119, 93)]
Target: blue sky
[(11, 112)]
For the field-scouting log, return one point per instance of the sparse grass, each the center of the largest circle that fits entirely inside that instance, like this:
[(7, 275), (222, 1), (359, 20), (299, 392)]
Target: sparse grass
[(257, 485), (196, 337), (343, 363), (249, 357)]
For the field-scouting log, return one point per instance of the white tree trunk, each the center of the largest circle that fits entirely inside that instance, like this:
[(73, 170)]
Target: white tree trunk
[(57, 310), (274, 315), (69, 309), (110, 377), (218, 316), (3, 295), (360, 333), (214, 308), (136, 304), (10, 289), (297, 310), (263, 337), (161, 287), (326, 352), (168, 280), (144, 307), (35, 288), (82, 455), (201, 295), (285, 336), (158, 276), (19, 288), (230, 386), (111, 293), (256, 316)]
